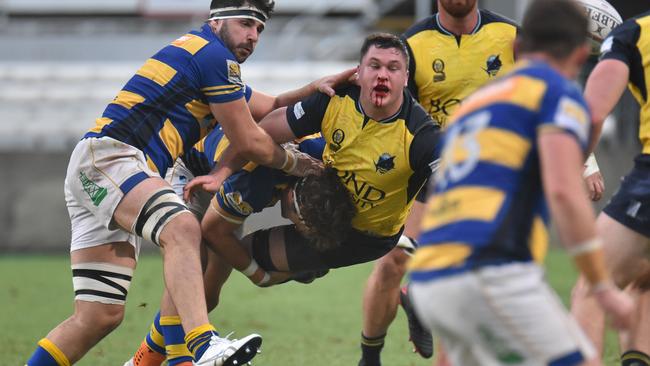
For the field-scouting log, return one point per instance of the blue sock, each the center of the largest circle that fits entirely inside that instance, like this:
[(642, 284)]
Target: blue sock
[(48, 354)]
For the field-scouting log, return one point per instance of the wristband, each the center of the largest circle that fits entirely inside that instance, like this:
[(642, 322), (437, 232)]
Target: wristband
[(290, 162), (251, 269), (264, 279), (590, 260), (591, 166)]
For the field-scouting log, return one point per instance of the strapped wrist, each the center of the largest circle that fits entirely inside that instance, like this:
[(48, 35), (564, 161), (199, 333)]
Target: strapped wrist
[(264, 279), (590, 260), (290, 162)]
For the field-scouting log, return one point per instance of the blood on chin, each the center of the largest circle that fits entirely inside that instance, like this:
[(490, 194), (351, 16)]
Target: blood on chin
[(379, 98)]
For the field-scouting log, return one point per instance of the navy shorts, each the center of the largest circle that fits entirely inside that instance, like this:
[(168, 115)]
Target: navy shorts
[(303, 256), (630, 205)]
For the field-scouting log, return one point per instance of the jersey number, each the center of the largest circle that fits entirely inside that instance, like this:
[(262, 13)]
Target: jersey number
[(462, 139)]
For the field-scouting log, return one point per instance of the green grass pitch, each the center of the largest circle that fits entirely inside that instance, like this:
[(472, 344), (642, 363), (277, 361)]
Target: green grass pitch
[(317, 324)]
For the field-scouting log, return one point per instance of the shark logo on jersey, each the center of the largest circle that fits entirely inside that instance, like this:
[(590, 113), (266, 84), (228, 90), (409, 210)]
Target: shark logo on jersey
[(493, 65), (385, 163)]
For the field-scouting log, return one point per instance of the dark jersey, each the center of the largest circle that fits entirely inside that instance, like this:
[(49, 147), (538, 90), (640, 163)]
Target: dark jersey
[(249, 190), (382, 163), (630, 43)]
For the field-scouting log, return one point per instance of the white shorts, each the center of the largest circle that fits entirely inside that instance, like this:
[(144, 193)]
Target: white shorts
[(501, 315), (101, 171), (177, 176)]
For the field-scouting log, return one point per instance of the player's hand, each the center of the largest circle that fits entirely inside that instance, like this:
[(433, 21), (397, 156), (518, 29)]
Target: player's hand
[(327, 84), (305, 165), (208, 183), (618, 305), (595, 186)]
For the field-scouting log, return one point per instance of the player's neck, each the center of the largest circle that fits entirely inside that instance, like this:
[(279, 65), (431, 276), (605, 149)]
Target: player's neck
[(459, 26), (565, 67)]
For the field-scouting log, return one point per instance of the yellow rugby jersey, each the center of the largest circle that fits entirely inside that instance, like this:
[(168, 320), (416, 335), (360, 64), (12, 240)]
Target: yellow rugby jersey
[(488, 205), (630, 43), (382, 163), (444, 68), (163, 109)]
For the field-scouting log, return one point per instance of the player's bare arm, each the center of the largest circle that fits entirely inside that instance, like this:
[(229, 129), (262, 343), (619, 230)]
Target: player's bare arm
[(276, 126), (575, 220), (221, 238), (262, 104), (604, 88)]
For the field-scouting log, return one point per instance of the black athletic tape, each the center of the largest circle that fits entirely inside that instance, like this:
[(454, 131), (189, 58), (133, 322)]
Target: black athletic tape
[(163, 220), (99, 276), (141, 220), (100, 294), (261, 251)]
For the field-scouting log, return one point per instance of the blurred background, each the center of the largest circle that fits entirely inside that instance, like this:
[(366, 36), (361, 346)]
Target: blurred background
[(62, 61)]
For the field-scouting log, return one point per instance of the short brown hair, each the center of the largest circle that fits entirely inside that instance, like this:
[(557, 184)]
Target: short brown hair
[(555, 27), (326, 208), (384, 41)]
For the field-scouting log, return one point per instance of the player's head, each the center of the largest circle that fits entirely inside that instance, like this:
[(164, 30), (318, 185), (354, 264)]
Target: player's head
[(239, 23), (383, 69), (457, 8), (563, 40), (321, 207)]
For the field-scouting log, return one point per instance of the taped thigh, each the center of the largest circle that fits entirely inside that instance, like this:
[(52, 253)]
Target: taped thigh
[(157, 212), (101, 282)]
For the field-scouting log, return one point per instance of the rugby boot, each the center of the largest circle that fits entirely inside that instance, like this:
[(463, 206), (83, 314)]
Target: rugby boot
[(230, 352), (418, 334)]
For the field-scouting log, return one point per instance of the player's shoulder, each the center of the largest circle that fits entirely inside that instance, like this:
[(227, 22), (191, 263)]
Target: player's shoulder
[(490, 17), (426, 24), (416, 117)]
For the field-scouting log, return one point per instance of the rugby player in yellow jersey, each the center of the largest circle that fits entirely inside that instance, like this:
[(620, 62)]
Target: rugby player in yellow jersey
[(453, 52), (513, 153), (625, 222), (115, 193)]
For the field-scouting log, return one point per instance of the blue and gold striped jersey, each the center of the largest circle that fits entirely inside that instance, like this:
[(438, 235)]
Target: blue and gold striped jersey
[(444, 68), (251, 189), (488, 204), (163, 109), (630, 43), (383, 164)]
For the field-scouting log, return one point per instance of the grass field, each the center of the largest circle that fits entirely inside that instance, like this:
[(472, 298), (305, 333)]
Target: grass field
[(317, 324)]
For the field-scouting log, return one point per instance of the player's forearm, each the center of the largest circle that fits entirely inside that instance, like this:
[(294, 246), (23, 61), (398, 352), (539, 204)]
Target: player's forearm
[(294, 96)]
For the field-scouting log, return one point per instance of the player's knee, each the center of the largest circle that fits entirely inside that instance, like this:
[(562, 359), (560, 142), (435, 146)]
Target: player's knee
[(392, 266), (102, 318), (183, 230)]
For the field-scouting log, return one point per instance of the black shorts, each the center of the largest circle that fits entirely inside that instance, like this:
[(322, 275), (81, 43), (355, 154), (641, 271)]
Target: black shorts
[(303, 256), (630, 205)]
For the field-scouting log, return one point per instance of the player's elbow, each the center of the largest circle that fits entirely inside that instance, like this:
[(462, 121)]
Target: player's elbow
[(559, 194)]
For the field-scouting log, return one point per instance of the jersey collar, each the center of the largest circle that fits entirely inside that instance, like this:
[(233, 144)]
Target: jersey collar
[(445, 31)]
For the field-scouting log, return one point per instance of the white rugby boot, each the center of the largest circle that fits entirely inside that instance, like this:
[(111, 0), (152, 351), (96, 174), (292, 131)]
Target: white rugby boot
[(227, 352), (129, 362)]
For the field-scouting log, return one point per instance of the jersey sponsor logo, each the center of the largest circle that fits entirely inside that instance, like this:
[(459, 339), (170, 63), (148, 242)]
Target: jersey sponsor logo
[(493, 65), (439, 70), (440, 110), (234, 72), (364, 195), (337, 139), (298, 111), (385, 163), (236, 202)]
